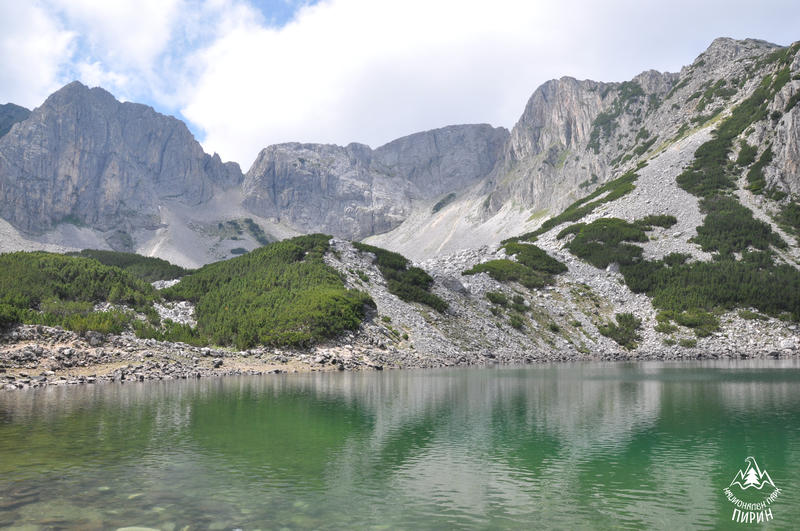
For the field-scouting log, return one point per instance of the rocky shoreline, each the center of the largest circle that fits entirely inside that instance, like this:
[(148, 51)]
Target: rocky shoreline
[(34, 356)]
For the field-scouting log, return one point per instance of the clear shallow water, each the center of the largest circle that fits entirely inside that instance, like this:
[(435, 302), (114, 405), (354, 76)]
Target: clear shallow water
[(582, 446)]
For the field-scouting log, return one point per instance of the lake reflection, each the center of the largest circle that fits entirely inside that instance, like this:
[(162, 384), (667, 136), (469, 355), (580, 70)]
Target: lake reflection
[(590, 446)]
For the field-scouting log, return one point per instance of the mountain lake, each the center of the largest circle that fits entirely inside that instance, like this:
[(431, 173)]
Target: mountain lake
[(566, 446)]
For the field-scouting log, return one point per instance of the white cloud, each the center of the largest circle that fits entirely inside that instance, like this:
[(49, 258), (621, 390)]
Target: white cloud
[(33, 49), (359, 70), (130, 33), (373, 70), (94, 75), (353, 70), (121, 43)]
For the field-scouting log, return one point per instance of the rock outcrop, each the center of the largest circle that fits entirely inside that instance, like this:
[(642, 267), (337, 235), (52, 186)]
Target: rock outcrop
[(354, 191), (85, 157), (559, 141)]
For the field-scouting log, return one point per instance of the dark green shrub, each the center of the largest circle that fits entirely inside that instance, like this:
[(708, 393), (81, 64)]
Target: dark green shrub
[(535, 258), (279, 294), (703, 323), (256, 231), (508, 270), (624, 331), (145, 267), (410, 284), (446, 200), (570, 229), (755, 281), (519, 307), (644, 146), (589, 182), (613, 190), (28, 279), (708, 173), (747, 154), (676, 259), (790, 216), (677, 87), (730, 227), (9, 316), (497, 297), (516, 321), (111, 322), (601, 242), (717, 90), (665, 328), (170, 331), (751, 315), (605, 123), (648, 222), (756, 181)]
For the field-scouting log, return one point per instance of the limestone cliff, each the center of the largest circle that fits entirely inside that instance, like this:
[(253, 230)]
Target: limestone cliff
[(84, 157), (355, 191)]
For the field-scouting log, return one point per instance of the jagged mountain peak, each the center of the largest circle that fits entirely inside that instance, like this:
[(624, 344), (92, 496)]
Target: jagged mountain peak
[(730, 48), (97, 100), (725, 51), (75, 89), (85, 157)]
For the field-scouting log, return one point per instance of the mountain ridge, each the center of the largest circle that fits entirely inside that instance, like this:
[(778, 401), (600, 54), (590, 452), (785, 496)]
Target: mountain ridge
[(452, 187)]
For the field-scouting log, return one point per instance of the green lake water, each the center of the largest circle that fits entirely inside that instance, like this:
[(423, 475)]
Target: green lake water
[(573, 446)]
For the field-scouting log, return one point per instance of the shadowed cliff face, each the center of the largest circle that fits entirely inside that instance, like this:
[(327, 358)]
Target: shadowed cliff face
[(11, 114), (355, 191), (85, 157)]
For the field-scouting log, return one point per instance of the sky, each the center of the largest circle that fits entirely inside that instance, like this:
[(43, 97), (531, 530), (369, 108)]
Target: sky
[(244, 74)]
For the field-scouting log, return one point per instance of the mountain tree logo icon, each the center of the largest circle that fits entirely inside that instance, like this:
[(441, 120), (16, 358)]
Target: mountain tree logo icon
[(752, 476)]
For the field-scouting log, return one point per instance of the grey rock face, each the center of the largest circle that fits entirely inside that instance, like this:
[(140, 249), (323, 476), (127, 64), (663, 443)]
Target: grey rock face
[(553, 129), (558, 114), (355, 191), (550, 151), (443, 160), (11, 114), (85, 157), (785, 171)]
